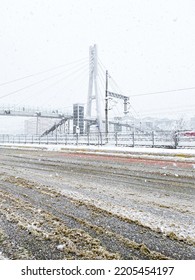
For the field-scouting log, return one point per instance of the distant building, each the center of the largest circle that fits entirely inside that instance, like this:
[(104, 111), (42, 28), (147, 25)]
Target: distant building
[(78, 118), (117, 126), (37, 125)]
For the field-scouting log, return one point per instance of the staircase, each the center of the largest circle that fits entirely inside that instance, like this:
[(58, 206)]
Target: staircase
[(54, 127)]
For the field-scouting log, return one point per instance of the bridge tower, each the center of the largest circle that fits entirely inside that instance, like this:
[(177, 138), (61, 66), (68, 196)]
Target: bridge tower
[(93, 87)]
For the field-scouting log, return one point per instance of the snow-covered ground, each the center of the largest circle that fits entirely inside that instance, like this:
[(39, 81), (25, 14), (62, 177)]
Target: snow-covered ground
[(177, 154)]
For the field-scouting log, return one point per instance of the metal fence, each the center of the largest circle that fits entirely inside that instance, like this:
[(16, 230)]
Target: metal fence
[(167, 139)]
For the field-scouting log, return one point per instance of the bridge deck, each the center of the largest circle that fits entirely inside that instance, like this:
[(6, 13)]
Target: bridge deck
[(34, 113)]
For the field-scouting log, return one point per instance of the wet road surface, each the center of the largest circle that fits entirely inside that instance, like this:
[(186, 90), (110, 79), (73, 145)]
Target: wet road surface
[(60, 205)]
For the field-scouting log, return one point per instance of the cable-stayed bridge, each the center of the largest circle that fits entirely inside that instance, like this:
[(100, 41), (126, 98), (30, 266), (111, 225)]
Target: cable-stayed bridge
[(90, 122), (98, 103), (100, 111)]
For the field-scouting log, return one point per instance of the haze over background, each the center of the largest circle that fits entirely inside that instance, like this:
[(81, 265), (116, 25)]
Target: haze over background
[(146, 45)]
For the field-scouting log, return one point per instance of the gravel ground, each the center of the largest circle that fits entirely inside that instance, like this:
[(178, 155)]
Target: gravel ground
[(60, 205)]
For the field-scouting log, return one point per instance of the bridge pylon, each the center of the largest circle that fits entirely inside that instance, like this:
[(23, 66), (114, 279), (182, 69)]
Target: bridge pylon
[(93, 94)]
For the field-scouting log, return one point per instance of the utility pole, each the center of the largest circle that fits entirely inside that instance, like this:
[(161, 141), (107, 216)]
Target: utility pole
[(106, 108)]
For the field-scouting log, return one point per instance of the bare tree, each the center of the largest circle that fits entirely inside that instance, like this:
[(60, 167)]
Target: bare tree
[(179, 126)]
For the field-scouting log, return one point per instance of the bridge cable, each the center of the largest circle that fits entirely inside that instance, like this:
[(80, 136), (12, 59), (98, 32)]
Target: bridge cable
[(33, 84), (39, 73)]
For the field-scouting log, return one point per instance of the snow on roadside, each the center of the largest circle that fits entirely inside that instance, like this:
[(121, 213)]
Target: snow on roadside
[(177, 154), (167, 224), (2, 257)]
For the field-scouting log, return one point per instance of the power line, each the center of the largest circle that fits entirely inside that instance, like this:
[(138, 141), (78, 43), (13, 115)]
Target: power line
[(165, 91), (148, 93), (167, 111), (115, 87)]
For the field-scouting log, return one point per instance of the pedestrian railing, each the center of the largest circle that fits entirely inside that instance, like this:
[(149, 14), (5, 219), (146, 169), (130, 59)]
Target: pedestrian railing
[(167, 139)]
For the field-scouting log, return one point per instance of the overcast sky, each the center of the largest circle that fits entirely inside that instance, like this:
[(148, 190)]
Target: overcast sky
[(148, 46)]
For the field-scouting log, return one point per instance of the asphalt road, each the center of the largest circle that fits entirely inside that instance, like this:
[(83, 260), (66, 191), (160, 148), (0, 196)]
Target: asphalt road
[(60, 205)]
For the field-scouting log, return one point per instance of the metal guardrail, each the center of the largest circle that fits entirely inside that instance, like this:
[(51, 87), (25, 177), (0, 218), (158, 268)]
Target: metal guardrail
[(148, 139)]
